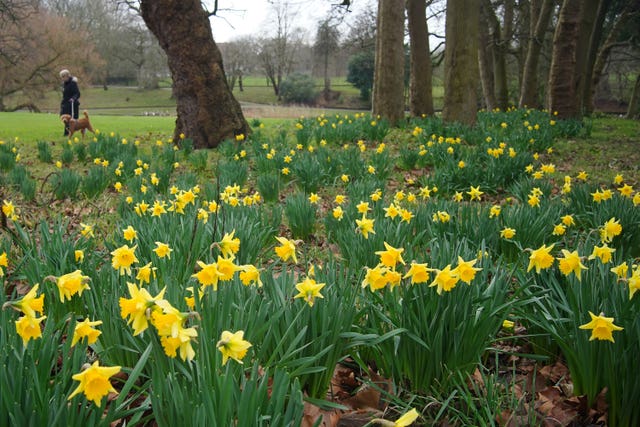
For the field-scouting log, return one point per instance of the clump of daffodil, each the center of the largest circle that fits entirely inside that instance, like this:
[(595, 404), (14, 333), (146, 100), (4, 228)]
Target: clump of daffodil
[(609, 230), (163, 250), (29, 304), (232, 345), (122, 259), (475, 193), (570, 263), (28, 327), (602, 328), (445, 279), (70, 284), (507, 233), (603, 252), (85, 329), (621, 270), (390, 256), (365, 226), (376, 278), (229, 245), (94, 382), (541, 258), (139, 307), (169, 323), (309, 290), (465, 270), (287, 249), (226, 268), (145, 273), (249, 274), (208, 275), (129, 234), (9, 210), (419, 273)]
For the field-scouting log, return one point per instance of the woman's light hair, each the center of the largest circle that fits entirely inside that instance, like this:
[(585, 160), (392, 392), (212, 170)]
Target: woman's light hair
[(64, 73)]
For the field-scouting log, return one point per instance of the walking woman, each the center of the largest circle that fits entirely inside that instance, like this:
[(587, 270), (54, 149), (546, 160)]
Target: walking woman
[(70, 103)]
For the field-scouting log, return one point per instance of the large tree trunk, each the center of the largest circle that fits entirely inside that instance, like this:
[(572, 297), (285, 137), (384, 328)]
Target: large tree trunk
[(388, 82), (529, 88), (485, 64), (461, 61), (563, 96), (207, 111), (587, 47), (420, 89), (498, 45)]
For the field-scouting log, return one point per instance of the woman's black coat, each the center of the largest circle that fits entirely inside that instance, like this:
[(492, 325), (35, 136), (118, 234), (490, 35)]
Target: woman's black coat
[(70, 92)]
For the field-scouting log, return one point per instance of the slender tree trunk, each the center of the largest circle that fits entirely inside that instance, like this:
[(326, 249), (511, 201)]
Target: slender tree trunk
[(594, 44), (388, 82), (485, 64), (529, 87), (240, 85), (461, 61), (563, 97), (498, 48), (327, 80), (603, 55), (420, 86), (207, 111), (587, 41), (633, 112)]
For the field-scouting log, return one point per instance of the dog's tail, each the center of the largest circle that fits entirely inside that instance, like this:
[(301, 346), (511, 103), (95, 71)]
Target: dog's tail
[(86, 116)]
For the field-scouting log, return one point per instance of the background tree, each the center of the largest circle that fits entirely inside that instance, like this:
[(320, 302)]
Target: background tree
[(388, 82), (540, 15), (34, 49), (326, 44), (562, 77), (361, 43), (497, 48), (277, 53), (461, 61), (420, 82), (240, 58), (618, 26), (207, 111), (360, 73)]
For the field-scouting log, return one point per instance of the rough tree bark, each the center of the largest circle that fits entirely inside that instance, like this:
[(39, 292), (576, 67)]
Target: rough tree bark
[(207, 111), (586, 48), (562, 75), (485, 64), (388, 82), (499, 42), (420, 89), (461, 61), (529, 87)]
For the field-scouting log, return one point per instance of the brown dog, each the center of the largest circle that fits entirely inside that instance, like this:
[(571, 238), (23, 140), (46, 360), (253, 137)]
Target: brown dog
[(75, 125)]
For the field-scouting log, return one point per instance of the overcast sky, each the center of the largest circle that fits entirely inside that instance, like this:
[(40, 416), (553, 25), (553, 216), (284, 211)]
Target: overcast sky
[(238, 18)]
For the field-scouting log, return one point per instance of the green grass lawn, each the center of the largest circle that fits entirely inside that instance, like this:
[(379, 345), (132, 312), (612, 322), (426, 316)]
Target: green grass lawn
[(31, 127), (119, 100)]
